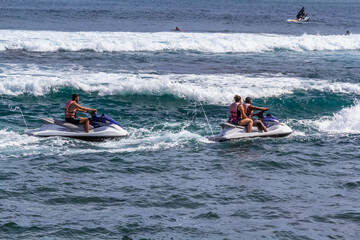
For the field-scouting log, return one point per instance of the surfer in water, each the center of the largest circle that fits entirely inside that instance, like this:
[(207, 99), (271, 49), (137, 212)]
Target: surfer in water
[(301, 14), (177, 29)]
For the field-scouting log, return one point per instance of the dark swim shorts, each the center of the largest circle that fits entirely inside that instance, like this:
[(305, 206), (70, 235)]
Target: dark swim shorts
[(73, 120), (235, 120)]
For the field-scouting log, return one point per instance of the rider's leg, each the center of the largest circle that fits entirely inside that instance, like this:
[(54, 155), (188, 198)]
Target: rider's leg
[(260, 125), (248, 122), (86, 121)]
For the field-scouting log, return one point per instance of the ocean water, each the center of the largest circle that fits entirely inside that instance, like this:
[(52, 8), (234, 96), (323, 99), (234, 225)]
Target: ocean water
[(167, 180)]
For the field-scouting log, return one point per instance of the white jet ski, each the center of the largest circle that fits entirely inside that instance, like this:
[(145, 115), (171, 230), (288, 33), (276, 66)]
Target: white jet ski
[(275, 128), (301, 20), (101, 127)]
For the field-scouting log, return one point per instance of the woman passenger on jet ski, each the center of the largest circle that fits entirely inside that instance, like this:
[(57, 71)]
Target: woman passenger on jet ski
[(238, 116), (71, 107), (249, 109)]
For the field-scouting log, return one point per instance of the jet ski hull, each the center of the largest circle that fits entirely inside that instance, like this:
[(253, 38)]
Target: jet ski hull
[(231, 132), (58, 128), (306, 19)]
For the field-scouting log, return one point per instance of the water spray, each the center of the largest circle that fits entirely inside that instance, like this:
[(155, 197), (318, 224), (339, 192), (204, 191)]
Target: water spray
[(206, 119), (18, 108)]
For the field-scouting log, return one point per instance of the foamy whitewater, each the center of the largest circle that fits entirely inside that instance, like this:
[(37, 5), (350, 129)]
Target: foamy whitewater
[(49, 41), (347, 120), (171, 90), (219, 88)]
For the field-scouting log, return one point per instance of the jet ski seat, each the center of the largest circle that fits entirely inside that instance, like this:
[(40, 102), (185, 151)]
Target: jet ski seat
[(230, 125), (62, 123)]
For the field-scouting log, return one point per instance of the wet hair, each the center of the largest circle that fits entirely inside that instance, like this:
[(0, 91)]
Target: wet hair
[(74, 96), (237, 98), (248, 100)]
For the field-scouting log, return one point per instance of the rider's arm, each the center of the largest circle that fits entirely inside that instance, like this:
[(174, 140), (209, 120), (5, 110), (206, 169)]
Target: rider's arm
[(241, 109), (258, 108), (84, 109)]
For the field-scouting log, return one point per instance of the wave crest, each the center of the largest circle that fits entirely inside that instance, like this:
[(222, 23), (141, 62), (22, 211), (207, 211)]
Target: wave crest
[(214, 89), (52, 41), (345, 121)]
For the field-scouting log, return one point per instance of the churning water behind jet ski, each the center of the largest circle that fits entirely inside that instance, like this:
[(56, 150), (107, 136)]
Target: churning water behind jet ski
[(102, 127), (275, 128)]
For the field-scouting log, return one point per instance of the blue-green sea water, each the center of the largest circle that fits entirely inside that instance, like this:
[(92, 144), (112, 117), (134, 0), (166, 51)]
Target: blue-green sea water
[(167, 180)]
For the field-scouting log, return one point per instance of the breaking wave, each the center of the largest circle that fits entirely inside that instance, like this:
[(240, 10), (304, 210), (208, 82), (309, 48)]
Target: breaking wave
[(52, 41), (345, 121), (213, 88)]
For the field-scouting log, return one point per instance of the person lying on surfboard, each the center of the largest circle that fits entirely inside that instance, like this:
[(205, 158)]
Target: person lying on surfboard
[(177, 29)]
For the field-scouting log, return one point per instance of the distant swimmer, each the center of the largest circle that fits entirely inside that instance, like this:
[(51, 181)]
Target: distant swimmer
[(177, 29), (347, 32), (301, 14)]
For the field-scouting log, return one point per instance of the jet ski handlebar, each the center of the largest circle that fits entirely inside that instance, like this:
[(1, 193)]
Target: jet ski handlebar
[(93, 113)]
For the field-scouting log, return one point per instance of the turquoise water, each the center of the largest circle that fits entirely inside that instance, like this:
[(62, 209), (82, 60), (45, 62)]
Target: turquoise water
[(167, 180)]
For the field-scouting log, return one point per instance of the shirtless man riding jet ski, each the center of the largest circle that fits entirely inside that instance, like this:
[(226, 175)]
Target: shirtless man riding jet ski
[(71, 107)]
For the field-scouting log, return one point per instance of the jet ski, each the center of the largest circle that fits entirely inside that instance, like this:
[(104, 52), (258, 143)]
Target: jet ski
[(101, 127), (275, 127), (300, 20)]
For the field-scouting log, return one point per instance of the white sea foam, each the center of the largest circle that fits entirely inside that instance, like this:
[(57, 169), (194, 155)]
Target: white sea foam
[(50, 41), (11, 139), (214, 89), (15, 144), (140, 140), (298, 133), (347, 120), (153, 141)]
